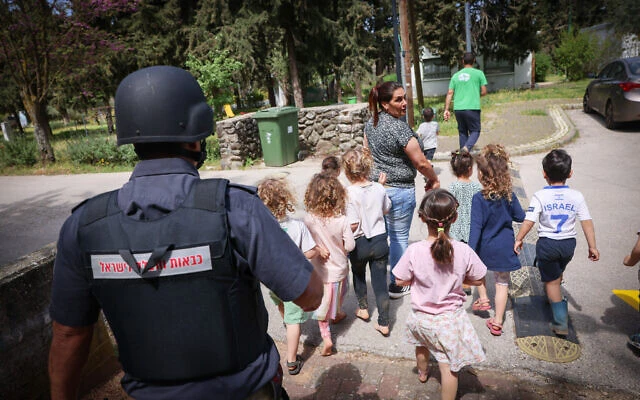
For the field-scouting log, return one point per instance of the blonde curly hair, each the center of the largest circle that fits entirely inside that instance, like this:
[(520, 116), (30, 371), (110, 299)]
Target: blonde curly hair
[(493, 165), (357, 165), (325, 196), (277, 196)]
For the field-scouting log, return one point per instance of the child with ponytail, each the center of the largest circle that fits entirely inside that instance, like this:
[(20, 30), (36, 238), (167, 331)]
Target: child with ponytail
[(435, 269)]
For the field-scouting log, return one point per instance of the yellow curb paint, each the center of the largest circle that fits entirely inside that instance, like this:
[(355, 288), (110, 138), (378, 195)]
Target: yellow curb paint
[(631, 297)]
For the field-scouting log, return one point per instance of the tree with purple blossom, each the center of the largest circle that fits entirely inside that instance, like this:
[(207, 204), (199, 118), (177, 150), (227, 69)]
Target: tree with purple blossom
[(46, 42)]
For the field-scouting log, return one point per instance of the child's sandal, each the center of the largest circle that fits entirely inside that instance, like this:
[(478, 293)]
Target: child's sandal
[(295, 366), (481, 305), (494, 327), (422, 375)]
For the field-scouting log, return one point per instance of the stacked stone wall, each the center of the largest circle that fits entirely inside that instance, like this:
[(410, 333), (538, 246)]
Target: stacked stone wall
[(321, 130)]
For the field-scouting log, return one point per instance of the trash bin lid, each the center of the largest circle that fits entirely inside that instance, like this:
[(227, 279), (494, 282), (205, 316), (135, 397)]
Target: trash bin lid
[(275, 112)]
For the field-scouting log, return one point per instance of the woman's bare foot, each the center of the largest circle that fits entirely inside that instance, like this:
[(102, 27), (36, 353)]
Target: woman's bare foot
[(327, 350), (384, 330), (363, 314), (341, 315)]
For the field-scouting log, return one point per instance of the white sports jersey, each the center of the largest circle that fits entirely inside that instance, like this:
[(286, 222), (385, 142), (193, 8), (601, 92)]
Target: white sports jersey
[(556, 209), (299, 233)]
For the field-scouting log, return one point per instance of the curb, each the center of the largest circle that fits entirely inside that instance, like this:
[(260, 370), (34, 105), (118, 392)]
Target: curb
[(564, 133)]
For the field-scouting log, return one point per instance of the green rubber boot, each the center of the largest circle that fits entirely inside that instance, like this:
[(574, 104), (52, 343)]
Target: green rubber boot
[(560, 324)]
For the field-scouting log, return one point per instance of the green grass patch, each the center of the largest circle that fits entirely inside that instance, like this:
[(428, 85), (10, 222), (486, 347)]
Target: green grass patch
[(534, 112), (557, 89), (79, 149)]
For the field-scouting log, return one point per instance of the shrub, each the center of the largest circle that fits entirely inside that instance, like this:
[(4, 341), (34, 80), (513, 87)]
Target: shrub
[(213, 148), (543, 66), (573, 53), (19, 152), (100, 151)]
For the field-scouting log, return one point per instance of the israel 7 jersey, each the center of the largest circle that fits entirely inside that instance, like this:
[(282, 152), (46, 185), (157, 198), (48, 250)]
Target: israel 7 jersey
[(556, 209)]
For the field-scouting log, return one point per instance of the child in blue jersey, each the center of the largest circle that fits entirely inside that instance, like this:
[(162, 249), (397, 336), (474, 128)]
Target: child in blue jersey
[(493, 211), (279, 199), (557, 208)]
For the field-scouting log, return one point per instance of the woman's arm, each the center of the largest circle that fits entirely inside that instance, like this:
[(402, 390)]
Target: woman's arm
[(420, 162)]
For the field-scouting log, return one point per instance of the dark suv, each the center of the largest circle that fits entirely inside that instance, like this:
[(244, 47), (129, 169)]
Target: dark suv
[(615, 92)]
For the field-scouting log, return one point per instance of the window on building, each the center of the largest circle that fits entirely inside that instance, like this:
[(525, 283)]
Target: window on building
[(435, 68), (492, 66)]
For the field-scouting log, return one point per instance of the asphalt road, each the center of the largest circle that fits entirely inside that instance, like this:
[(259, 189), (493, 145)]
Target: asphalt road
[(606, 166)]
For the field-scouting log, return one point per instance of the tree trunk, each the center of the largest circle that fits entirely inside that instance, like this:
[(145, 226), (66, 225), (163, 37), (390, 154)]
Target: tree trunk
[(338, 88), (271, 93), (414, 53), (406, 44), (293, 69), (107, 113), (42, 131), (358, 88)]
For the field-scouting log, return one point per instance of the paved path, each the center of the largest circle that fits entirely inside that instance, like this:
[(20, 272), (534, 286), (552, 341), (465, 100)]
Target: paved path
[(369, 366)]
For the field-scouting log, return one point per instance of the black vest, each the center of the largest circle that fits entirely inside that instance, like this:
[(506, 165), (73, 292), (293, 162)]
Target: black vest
[(179, 308)]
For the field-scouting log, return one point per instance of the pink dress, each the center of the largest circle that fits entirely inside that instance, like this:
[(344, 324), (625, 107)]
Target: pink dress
[(336, 236), (438, 320)]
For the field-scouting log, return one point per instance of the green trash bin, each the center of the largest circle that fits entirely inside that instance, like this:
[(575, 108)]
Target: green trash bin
[(352, 100), (278, 127)]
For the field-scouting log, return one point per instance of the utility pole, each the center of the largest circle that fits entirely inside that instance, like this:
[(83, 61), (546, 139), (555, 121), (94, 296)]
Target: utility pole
[(414, 53), (467, 25), (406, 55), (396, 45)]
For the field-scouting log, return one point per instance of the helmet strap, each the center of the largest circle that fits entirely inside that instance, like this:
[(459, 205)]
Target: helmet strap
[(198, 156)]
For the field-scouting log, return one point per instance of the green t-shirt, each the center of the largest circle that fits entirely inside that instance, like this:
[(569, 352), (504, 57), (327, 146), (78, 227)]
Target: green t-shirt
[(466, 85)]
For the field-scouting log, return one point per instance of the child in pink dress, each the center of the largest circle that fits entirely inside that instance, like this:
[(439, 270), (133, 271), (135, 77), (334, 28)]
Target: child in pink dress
[(436, 268), (326, 202)]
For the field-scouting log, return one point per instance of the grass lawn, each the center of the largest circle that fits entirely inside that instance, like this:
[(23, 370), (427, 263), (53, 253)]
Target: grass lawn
[(78, 135), (557, 89)]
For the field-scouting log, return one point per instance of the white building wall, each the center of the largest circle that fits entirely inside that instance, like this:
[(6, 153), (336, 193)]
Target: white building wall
[(520, 78)]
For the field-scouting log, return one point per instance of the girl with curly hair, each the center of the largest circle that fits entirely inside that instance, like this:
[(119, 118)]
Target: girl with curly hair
[(277, 195), (326, 200), (493, 210)]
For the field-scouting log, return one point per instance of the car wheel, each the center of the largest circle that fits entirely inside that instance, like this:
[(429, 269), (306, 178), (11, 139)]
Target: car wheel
[(585, 104), (608, 116)]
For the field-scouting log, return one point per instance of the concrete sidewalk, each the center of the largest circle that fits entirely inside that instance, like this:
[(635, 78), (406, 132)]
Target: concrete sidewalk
[(369, 366)]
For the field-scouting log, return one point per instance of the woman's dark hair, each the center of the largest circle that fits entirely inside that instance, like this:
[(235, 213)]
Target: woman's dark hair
[(461, 162), (438, 210), (382, 92)]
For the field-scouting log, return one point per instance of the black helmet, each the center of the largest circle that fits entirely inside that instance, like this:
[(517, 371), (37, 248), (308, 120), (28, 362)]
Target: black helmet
[(161, 104)]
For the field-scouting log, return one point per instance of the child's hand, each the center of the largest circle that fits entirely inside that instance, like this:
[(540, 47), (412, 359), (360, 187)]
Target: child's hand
[(594, 254), (517, 246), (431, 185), (382, 178), (323, 253)]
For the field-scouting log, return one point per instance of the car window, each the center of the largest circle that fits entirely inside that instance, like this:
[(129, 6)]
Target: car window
[(605, 73), (617, 72), (634, 67)]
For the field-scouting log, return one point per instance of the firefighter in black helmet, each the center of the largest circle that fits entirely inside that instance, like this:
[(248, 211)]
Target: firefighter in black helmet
[(173, 262)]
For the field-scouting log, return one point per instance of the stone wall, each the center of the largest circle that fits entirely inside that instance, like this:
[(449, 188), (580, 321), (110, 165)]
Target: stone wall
[(321, 130), (25, 331)]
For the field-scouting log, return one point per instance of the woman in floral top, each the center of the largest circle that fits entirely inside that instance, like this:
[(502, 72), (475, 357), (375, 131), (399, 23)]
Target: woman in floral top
[(397, 155)]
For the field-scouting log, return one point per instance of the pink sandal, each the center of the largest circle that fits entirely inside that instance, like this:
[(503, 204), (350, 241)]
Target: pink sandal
[(494, 327), (481, 305)]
